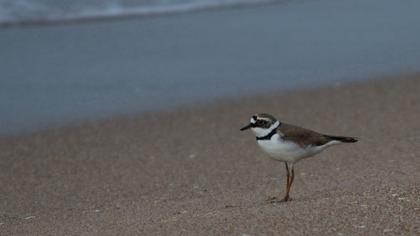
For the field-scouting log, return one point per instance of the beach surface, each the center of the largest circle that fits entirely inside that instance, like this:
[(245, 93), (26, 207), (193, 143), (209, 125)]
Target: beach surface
[(191, 171)]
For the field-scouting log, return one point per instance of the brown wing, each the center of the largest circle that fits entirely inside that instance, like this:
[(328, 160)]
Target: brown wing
[(303, 137)]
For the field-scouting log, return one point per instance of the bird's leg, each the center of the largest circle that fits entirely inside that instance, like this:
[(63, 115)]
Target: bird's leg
[(275, 199), (290, 177)]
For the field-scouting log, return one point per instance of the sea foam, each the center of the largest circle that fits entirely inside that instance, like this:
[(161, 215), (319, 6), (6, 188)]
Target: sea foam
[(15, 12)]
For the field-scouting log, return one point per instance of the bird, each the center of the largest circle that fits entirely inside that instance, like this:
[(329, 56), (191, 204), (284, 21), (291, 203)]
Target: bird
[(289, 143)]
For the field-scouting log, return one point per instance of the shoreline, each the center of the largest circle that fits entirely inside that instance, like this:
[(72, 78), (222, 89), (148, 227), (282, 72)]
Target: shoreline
[(191, 171), (76, 123)]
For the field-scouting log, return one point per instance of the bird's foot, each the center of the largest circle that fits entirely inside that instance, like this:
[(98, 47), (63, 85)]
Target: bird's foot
[(286, 199), (277, 200)]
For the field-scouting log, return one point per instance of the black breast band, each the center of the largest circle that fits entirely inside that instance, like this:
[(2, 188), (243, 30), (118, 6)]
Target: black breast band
[(269, 135)]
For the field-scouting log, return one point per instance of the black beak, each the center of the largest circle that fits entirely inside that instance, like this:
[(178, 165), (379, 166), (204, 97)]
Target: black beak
[(246, 127)]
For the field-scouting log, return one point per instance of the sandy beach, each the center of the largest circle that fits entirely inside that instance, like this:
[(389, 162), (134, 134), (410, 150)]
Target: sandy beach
[(191, 171)]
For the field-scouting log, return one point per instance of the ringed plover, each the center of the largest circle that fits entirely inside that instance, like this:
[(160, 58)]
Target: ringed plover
[(289, 143)]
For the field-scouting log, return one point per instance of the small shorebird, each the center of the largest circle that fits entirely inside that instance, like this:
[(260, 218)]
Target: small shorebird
[(289, 143)]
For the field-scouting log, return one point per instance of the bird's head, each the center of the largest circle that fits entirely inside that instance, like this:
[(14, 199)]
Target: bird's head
[(262, 124)]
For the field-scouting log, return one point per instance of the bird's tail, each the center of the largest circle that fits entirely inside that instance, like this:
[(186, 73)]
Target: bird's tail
[(342, 138)]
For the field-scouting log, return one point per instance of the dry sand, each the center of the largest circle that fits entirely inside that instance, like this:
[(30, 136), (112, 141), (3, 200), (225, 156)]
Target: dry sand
[(192, 172)]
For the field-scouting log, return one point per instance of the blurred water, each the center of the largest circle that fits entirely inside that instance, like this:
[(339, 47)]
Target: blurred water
[(53, 75), (26, 11)]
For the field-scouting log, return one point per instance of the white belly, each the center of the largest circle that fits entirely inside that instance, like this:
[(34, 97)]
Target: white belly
[(287, 151)]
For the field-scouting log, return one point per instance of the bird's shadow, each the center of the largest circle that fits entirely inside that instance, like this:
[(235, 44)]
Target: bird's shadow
[(334, 193)]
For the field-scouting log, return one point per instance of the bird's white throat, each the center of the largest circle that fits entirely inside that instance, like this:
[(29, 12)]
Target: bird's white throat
[(261, 132)]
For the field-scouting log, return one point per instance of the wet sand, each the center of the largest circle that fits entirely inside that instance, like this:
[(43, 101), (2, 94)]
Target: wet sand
[(192, 172)]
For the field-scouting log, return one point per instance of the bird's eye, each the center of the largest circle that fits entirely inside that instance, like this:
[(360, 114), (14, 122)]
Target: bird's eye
[(260, 122)]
